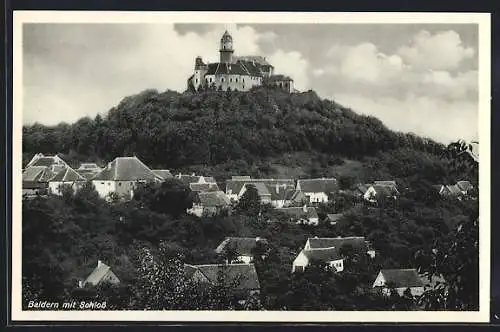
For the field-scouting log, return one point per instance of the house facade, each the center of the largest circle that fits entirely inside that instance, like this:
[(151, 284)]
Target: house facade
[(68, 178), (317, 190), (121, 177), (330, 256)]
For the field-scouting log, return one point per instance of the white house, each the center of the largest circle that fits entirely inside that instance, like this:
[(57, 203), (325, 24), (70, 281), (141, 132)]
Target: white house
[(399, 280), (317, 190), (378, 191), (330, 256), (242, 247), (121, 177), (67, 177), (357, 243), (102, 273)]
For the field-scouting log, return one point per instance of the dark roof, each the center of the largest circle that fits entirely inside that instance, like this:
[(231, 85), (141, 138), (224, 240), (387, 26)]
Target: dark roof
[(322, 254), (261, 188), (318, 185), (67, 175), (202, 187), (126, 169), (163, 173), (226, 69), (244, 275), (338, 242), (464, 185), (260, 60), (236, 184), (402, 277), (383, 190), (280, 191), (188, 179), (362, 187), (299, 212), (253, 69), (213, 199), (242, 245), (277, 78)]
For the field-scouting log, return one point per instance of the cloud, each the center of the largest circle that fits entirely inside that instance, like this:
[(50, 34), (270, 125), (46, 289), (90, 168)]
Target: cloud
[(432, 117), (75, 70), (441, 51), (414, 89)]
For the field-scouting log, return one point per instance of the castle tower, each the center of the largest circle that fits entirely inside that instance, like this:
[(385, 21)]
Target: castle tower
[(226, 48)]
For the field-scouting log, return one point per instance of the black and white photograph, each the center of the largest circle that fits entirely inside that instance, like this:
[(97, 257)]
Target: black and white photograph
[(290, 167)]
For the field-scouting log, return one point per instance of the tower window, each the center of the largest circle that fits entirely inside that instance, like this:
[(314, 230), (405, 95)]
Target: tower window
[(236, 80), (222, 79), (210, 80), (196, 80)]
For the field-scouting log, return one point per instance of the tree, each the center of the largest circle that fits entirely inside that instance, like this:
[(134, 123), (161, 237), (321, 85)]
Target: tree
[(170, 197), (249, 202)]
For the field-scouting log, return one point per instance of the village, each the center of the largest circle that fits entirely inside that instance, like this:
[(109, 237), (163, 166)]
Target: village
[(297, 199)]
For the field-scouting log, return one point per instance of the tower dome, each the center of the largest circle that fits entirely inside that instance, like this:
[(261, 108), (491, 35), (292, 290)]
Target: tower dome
[(226, 48)]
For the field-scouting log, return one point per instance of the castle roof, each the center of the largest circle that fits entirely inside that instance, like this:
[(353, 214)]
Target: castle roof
[(260, 60), (220, 68)]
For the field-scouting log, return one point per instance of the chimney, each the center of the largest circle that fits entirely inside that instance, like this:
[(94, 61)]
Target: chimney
[(304, 208), (193, 174), (80, 283), (99, 263)]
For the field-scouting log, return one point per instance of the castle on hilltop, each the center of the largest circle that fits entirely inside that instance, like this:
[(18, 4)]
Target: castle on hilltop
[(235, 73)]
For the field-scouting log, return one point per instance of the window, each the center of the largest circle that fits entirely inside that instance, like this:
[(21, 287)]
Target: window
[(102, 182), (210, 80), (109, 183), (222, 79), (243, 80), (230, 80), (236, 80), (206, 80), (196, 80), (119, 184)]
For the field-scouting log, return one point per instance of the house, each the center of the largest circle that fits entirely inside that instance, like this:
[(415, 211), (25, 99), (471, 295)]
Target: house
[(188, 179), (465, 187), (284, 196), (263, 192), (36, 180), (235, 185), (330, 256), (203, 187), (317, 190), (163, 173), (88, 170), (380, 191), (361, 189), (333, 218), (243, 278), (121, 177), (210, 203), (67, 177), (41, 160), (301, 215), (399, 280), (102, 273), (242, 247), (357, 243)]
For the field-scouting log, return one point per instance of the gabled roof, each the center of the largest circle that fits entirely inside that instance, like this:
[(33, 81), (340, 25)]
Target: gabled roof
[(322, 254), (126, 169), (203, 187), (402, 277), (323, 185), (33, 173), (213, 199), (334, 217), (188, 179), (242, 245), (244, 275), (236, 184), (226, 69), (383, 190), (261, 188), (362, 188), (464, 185), (67, 175), (454, 189), (163, 173), (280, 191), (299, 212), (98, 274), (338, 242)]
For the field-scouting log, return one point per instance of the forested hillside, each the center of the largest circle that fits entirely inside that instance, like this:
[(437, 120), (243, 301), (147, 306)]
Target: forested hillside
[(261, 133), (226, 133)]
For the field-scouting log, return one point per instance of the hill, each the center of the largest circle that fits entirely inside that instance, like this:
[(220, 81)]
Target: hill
[(263, 132)]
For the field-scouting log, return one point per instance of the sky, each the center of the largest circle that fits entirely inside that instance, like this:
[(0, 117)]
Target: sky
[(420, 78)]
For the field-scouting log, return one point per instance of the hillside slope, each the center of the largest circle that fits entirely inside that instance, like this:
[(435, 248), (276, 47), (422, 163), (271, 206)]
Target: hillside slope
[(226, 133)]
